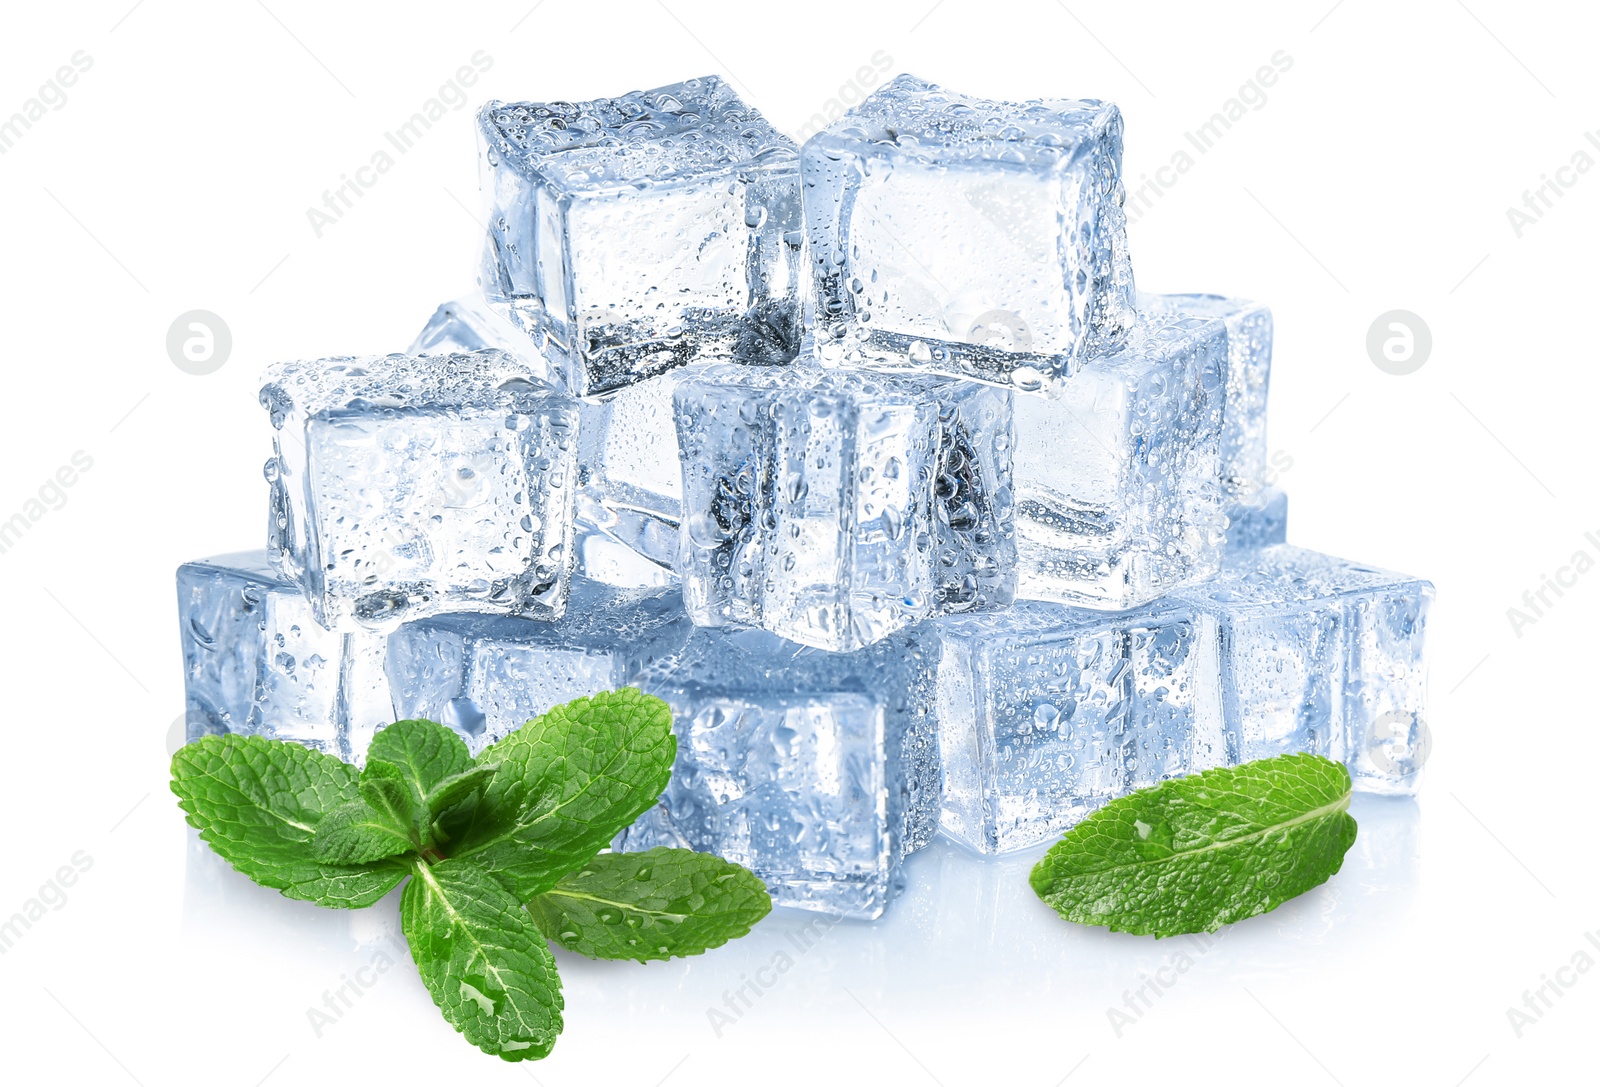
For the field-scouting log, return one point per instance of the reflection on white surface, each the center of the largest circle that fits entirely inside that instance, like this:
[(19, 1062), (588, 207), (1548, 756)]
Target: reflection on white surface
[(966, 931)]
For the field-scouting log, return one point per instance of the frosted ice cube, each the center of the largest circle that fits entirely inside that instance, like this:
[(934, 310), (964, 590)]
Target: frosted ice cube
[(634, 234), (1260, 520), (257, 663), (1118, 498), (486, 676), (1324, 655), (405, 486), (970, 238), (1046, 712), (817, 771), (1245, 381), (834, 507), (470, 323)]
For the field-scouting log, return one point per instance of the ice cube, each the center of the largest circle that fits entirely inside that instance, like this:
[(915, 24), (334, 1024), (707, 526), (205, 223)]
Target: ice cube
[(817, 771), (628, 548), (1259, 520), (833, 507), (470, 323), (626, 514), (1118, 498), (970, 238), (486, 676), (405, 486), (1046, 712), (1244, 414), (630, 485), (634, 234), (1325, 656), (257, 663)]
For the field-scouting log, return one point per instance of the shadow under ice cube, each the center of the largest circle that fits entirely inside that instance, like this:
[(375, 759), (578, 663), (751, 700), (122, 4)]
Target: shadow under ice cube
[(833, 508), (257, 663), (817, 771), (405, 486), (634, 234), (970, 238)]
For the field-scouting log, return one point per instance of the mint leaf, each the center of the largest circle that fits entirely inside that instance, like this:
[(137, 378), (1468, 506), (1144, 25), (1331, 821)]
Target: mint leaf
[(1196, 853), (258, 802), (489, 970), (651, 905), (568, 782), (355, 834), (458, 788), (425, 753), (388, 791)]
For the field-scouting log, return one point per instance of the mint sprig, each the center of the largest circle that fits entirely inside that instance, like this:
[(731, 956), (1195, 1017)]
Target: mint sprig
[(1196, 853), (502, 851)]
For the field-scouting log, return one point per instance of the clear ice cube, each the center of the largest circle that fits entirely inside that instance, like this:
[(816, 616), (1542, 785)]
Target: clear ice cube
[(1259, 520), (1325, 656), (959, 236), (1046, 712), (630, 486), (634, 234), (1118, 500), (834, 507), (405, 486), (470, 323), (817, 771), (1249, 369), (486, 676), (257, 663)]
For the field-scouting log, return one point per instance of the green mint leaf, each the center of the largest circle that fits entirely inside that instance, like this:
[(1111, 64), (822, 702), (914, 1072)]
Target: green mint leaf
[(651, 905), (1196, 853), (486, 964), (459, 788), (258, 802), (568, 782), (425, 753), (388, 791), (354, 833)]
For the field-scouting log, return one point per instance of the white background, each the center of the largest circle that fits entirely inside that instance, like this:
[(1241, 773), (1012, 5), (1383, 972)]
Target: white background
[(1377, 175)]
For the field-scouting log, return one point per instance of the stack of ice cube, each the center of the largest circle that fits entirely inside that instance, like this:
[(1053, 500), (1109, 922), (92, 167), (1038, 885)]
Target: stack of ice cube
[(866, 456)]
